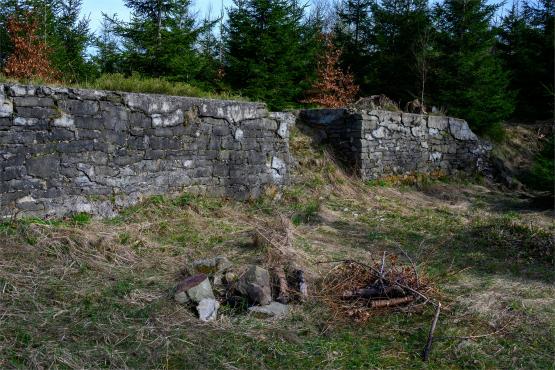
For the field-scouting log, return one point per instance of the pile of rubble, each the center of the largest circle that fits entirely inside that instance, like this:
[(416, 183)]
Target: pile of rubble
[(215, 281)]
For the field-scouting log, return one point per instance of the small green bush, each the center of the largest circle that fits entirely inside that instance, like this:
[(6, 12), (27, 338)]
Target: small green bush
[(81, 218), (307, 213), (541, 176)]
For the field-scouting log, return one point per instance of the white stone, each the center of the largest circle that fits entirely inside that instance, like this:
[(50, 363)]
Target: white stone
[(238, 134), (285, 120), (170, 120), (65, 120), (6, 105), (20, 121), (26, 199), (272, 310), (379, 133), (435, 156), (278, 167), (208, 309)]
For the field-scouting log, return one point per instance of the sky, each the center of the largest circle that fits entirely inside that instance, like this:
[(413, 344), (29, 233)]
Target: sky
[(95, 8)]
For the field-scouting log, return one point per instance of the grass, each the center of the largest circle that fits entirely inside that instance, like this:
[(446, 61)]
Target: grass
[(97, 293), (139, 84)]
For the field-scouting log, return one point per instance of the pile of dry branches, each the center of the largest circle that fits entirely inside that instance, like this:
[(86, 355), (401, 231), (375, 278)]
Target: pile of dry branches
[(357, 290)]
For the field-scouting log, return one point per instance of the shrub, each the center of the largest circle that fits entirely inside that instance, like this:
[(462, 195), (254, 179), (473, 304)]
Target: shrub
[(541, 176)]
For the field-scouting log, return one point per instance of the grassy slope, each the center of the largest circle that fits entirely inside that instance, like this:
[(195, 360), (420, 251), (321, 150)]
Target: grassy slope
[(98, 294), (138, 84)]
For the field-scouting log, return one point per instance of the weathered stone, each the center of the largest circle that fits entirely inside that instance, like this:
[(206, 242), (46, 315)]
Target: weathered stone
[(286, 121), (64, 120), (255, 283), (272, 310), (20, 121), (208, 309), (33, 101), (211, 266), (194, 288), (79, 107), (43, 167), (6, 104), (438, 122), (460, 130)]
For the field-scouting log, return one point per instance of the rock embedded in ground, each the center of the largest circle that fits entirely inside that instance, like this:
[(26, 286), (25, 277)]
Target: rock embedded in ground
[(230, 277), (255, 283), (274, 309), (194, 288), (208, 309), (211, 266)]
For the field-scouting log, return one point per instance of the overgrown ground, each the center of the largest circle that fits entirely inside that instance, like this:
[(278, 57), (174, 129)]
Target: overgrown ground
[(81, 293)]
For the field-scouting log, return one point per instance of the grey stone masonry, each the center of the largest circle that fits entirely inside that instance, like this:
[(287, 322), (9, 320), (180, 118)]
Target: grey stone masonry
[(378, 143), (66, 150)]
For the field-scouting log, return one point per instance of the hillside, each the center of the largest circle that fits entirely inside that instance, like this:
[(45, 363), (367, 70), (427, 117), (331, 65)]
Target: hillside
[(84, 293)]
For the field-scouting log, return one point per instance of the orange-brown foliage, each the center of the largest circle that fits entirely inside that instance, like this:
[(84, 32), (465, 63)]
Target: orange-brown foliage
[(334, 87), (30, 55)]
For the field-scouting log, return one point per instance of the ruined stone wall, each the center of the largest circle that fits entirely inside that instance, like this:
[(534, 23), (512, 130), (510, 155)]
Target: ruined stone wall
[(377, 143), (69, 150)]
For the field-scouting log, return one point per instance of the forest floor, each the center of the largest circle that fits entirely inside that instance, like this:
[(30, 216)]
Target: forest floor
[(82, 293)]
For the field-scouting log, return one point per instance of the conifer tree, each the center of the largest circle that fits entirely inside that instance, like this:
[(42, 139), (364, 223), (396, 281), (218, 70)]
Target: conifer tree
[(470, 81), (399, 29), (526, 47), (159, 40), (70, 38), (107, 58), (352, 35), (270, 51)]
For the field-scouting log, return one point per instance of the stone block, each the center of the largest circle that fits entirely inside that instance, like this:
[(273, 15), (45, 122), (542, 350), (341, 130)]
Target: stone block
[(43, 167)]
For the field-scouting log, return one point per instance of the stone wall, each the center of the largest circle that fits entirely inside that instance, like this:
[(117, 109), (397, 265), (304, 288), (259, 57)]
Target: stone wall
[(377, 143), (69, 150)]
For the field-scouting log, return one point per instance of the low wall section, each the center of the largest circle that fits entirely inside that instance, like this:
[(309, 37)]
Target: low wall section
[(69, 150), (377, 143)]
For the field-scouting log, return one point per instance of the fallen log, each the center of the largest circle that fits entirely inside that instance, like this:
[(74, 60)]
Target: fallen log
[(391, 302)]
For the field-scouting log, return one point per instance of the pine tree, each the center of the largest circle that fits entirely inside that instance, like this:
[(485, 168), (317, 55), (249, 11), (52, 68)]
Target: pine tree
[(400, 59), (270, 51), (107, 58), (159, 40), (352, 35), (210, 56), (526, 47), (70, 39), (470, 81)]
